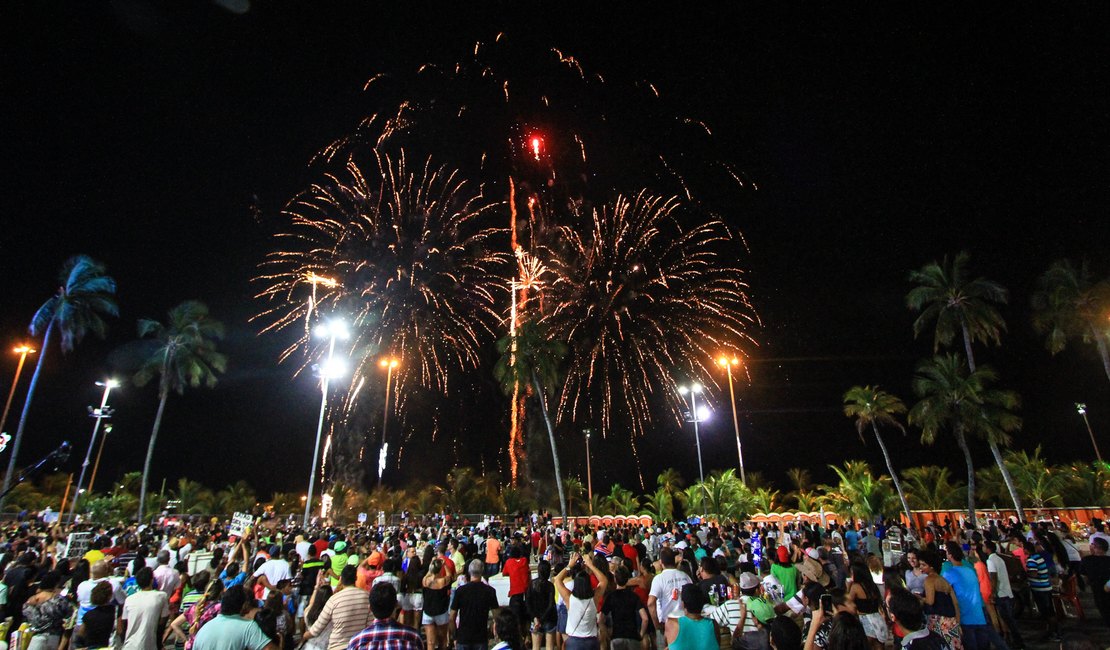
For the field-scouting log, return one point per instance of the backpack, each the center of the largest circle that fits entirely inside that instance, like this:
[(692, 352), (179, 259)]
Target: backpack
[(1016, 570)]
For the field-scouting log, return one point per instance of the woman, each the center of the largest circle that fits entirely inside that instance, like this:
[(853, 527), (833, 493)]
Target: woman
[(582, 603), (507, 628), (786, 573), (977, 558), (785, 634), (204, 609), (95, 630), (693, 631), (539, 599), (868, 600), (316, 604), (915, 578), (942, 611), (437, 596), (46, 613), (848, 633), (412, 596)]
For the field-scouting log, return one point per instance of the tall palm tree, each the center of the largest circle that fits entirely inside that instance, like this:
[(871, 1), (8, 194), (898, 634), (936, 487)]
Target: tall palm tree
[(621, 501), (85, 294), (953, 399), (800, 478), (872, 407), (659, 505), (859, 494), (670, 481), (531, 358), (1068, 304), (576, 493), (955, 304), (931, 488), (184, 354)]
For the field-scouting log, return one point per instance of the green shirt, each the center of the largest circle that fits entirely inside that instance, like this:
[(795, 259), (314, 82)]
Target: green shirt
[(788, 576), (230, 633), (338, 561)]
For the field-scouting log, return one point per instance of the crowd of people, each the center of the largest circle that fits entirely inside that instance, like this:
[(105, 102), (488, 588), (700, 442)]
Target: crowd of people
[(193, 586)]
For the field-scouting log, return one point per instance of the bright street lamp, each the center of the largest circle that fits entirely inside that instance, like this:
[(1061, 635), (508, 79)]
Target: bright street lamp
[(332, 368), (692, 392), (104, 411), (727, 363), (1081, 408), (389, 364), (22, 351), (589, 474)]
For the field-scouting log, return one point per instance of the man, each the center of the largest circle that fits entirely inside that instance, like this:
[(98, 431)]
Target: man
[(471, 607), (144, 614), (851, 540), (99, 572), (229, 630), (384, 633), (310, 571), (339, 559), (665, 591), (906, 609), (628, 616), (520, 576), (347, 612), (493, 554), (165, 576), (1002, 592), (976, 632), (1096, 567), (272, 571)]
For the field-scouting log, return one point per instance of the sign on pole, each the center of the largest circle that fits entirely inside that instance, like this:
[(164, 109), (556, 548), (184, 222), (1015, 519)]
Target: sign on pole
[(240, 522), (362, 517), (78, 544)]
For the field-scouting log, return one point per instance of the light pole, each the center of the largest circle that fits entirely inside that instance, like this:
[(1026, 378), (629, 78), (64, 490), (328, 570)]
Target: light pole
[(389, 365), (96, 463), (22, 351), (727, 364), (104, 411), (692, 392), (1082, 409), (589, 475), (331, 368)]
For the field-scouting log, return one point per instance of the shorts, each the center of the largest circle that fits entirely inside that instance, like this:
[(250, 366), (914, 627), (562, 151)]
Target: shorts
[(435, 620), (546, 628), (561, 621), (411, 602), (302, 604)]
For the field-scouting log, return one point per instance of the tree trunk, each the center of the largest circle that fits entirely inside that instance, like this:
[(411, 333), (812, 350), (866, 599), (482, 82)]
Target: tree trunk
[(1100, 341), (1009, 481), (967, 344), (554, 451), (970, 473), (26, 409), (165, 393), (893, 474)]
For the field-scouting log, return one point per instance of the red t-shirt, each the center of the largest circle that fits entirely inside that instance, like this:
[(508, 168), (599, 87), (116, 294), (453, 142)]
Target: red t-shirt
[(519, 575), (631, 555)]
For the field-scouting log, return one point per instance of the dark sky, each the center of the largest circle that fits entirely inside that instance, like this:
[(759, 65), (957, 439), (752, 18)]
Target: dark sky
[(141, 132)]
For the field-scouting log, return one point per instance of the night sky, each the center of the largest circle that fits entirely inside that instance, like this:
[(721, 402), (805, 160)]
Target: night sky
[(159, 136)]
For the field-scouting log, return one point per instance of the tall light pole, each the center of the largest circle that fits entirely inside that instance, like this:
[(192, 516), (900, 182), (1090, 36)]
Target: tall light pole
[(330, 369), (389, 365), (22, 351), (589, 475), (103, 411), (691, 392), (727, 364), (1082, 409), (96, 463)]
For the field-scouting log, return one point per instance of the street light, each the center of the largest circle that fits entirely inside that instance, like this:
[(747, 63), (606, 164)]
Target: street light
[(727, 364), (332, 368), (692, 391), (22, 351), (100, 413), (99, 451), (589, 475), (1082, 410), (389, 364)]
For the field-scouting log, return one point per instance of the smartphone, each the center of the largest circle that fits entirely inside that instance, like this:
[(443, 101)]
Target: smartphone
[(826, 603)]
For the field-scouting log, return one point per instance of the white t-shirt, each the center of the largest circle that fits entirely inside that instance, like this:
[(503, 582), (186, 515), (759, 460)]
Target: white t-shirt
[(302, 550), (667, 589), (997, 566), (143, 611), (166, 579), (274, 570), (84, 595)]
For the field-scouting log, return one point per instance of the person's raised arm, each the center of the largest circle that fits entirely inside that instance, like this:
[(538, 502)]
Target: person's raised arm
[(814, 626), (564, 593), (602, 581), (322, 621), (930, 592)]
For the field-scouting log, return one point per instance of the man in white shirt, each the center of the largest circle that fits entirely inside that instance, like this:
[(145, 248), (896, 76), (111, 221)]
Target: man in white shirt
[(99, 572), (272, 571), (1003, 593), (144, 614), (666, 590), (165, 576)]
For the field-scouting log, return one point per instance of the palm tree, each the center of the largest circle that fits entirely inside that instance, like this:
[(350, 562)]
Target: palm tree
[(692, 499), (184, 355), (800, 478), (871, 407), (621, 501), (659, 505), (85, 294), (237, 497), (954, 399), (1035, 478), (931, 488), (766, 499), (1088, 483), (946, 296), (859, 494), (531, 358), (194, 497), (575, 492), (670, 481), (1067, 304), (726, 497)]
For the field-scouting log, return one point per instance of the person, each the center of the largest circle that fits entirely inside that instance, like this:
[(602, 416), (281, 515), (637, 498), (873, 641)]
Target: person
[(167, 578), (46, 613), (471, 607), (144, 612), (693, 631), (506, 626), (95, 629), (493, 554), (272, 571), (540, 601), (914, 577), (906, 610), (663, 596), (230, 630), (18, 580), (847, 633), (383, 632), (337, 563), (627, 613), (437, 598), (203, 610), (1096, 567), (1003, 594), (755, 613), (785, 634), (412, 595), (711, 582), (312, 612), (1040, 584), (345, 614), (309, 577), (939, 603), (99, 574), (582, 602), (867, 598), (786, 573), (516, 568), (232, 576)]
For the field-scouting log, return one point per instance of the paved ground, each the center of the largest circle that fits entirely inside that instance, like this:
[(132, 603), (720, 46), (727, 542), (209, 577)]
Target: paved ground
[(1094, 627)]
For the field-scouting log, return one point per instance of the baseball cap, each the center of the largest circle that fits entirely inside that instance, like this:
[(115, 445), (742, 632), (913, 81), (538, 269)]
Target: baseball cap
[(340, 547), (812, 553), (783, 554), (748, 580)]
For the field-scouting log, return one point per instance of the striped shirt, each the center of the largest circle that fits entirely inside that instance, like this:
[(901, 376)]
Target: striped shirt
[(1037, 571), (347, 613)]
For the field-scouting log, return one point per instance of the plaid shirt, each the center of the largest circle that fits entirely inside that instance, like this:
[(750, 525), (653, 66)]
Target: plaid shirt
[(385, 634)]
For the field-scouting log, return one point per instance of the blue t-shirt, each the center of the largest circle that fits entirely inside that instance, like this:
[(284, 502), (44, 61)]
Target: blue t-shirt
[(851, 538), (965, 583)]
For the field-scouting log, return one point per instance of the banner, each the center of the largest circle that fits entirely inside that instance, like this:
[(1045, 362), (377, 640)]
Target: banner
[(240, 522)]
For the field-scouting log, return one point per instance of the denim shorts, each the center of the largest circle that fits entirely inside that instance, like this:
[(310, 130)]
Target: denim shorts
[(547, 628), (561, 623), (435, 620)]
